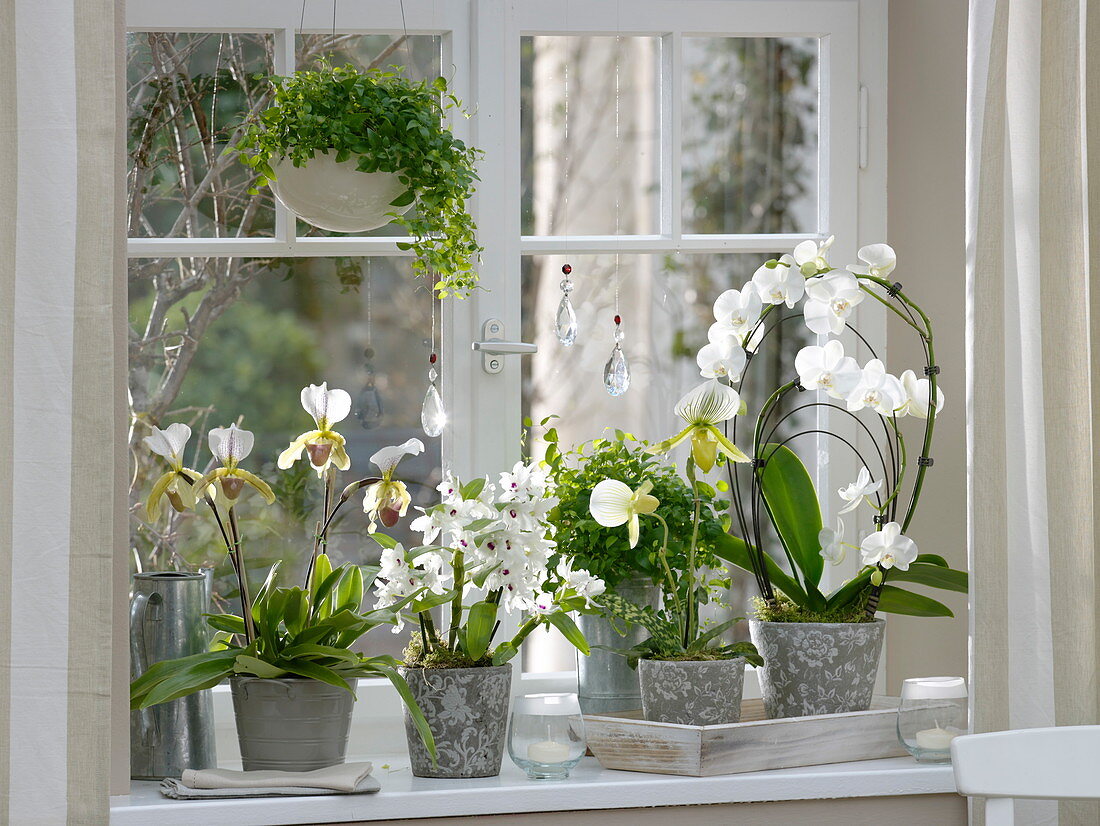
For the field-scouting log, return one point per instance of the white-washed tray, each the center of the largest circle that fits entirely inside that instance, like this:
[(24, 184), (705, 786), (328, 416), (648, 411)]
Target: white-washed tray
[(624, 741)]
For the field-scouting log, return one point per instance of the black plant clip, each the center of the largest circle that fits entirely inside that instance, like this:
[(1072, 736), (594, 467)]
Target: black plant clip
[(932, 370), (879, 519), (798, 386), (894, 289), (925, 461), (759, 463)]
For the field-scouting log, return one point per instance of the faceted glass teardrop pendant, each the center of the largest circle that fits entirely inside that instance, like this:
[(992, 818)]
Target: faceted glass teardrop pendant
[(368, 407), (433, 418), (616, 373), (565, 325)]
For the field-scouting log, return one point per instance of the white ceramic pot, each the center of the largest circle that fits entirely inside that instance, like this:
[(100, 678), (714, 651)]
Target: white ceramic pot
[(337, 196)]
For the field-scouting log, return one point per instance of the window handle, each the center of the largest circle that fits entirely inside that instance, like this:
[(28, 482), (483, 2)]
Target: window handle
[(493, 346)]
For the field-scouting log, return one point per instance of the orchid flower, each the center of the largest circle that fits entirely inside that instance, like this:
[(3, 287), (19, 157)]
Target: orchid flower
[(170, 443), (613, 503), (736, 313), (878, 390), (827, 368), (780, 283), (810, 257), (543, 604), (230, 445), (888, 548), (325, 445), (878, 260), (833, 546), (831, 299), (704, 407), (859, 490), (582, 583), (387, 500), (724, 359), (917, 392)]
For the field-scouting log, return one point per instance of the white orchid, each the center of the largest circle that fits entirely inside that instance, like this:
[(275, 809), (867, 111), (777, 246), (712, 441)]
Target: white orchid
[(397, 579), (779, 282), (830, 300), (324, 445), (230, 446), (704, 407), (878, 390), (810, 256), (878, 260), (613, 503), (859, 490), (917, 392), (888, 548), (543, 604), (387, 500), (833, 546), (827, 368), (736, 313), (170, 444), (582, 583), (722, 359), (523, 482)]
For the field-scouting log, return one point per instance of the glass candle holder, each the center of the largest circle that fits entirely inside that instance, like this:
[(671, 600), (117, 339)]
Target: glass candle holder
[(546, 735), (933, 712)]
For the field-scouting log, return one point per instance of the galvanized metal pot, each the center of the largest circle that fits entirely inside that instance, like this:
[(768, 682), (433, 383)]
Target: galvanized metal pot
[(291, 724), (817, 667), (166, 622), (467, 710), (605, 682), (692, 693)]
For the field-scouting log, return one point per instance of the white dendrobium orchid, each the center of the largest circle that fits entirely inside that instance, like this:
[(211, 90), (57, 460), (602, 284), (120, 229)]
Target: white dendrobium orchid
[(878, 390), (736, 313), (170, 444), (780, 283), (613, 503), (830, 300), (387, 500), (230, 445), (324, 445), (810, 257), (523, 482), (878, 260), (859, 490), (888, 548), (707, 405), (833, 547), (543, 604), (917, 392), (722, 359), (827, 368), (580, 581)]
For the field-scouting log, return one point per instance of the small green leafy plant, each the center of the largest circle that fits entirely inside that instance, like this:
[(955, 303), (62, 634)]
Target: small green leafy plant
[(388, 124)]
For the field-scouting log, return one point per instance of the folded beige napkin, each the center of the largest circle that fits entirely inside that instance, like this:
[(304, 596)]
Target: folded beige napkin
[(346, 778)]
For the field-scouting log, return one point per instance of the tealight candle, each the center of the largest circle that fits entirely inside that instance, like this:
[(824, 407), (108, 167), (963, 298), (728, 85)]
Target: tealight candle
[(546, 735), (548, 751), (932, 714), (935, 739)]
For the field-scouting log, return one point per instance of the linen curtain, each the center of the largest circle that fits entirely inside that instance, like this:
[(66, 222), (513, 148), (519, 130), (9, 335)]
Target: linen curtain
[(62, 514), (1033, 365)]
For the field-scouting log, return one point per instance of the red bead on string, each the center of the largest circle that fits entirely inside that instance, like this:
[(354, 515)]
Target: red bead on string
[(433, 358), (618, 319), (566, 269)]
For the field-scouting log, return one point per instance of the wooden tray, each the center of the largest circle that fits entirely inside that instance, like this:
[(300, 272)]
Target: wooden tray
[(624, 741)]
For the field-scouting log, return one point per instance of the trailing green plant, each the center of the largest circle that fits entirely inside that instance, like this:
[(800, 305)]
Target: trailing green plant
[(387, 123)]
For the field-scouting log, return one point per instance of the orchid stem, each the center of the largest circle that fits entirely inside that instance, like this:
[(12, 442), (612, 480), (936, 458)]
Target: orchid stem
[(242, 578), (662, 554)]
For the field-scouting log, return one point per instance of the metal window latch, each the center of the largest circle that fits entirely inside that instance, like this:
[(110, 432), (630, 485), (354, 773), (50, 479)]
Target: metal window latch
[(493, 347)]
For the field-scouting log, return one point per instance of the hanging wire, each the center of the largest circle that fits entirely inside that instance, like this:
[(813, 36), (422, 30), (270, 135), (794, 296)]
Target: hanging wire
[(408, 48)]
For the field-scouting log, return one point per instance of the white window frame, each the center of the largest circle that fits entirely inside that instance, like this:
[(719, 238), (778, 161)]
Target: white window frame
[(481, 43)]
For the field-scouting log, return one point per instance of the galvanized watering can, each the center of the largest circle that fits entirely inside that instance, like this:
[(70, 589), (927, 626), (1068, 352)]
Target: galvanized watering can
[(166, 621)]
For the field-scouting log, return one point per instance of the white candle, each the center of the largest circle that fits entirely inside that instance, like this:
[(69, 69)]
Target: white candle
[(935, 739), (548, 751)]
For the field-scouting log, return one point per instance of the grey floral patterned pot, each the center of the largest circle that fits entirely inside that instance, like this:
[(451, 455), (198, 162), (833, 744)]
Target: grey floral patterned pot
[(467, 710), (817, 667), (704, 693)]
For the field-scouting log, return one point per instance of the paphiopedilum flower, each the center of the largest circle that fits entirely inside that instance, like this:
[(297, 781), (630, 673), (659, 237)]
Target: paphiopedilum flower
[(613, 503), (830, 300), (324, 445), (810, 256), (878, 260), (878, 390), (736, 313), (779, 282), (722, 359), (703, 408), (833, 546), (859, 490), (917, 392), (889, 548), (827, 368), (387, 500), (230, 445), (170, 444)]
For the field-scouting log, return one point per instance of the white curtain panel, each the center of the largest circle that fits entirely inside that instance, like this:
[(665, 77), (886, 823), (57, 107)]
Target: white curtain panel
[(62, 515), (1033, 366)]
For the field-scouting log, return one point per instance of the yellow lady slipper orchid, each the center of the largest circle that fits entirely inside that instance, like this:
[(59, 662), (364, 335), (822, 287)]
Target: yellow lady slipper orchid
[(324, 445), (704, 407), (387, 500), (613, 503), (170, 443), (230, 445)]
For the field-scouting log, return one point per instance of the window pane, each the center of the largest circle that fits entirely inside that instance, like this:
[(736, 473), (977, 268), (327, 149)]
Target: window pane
[(293, 322), (187, 95), (750, 134), (589, 135)]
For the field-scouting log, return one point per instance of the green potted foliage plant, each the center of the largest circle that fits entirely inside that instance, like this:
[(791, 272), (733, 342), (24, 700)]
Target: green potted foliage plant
[(288, 654), (493, 540), (606, 683), (349, 151)]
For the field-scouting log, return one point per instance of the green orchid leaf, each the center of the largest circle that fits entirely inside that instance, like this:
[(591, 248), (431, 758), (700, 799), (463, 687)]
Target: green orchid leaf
[(296, 612), (473, 488), (322, 570), (349, 594), (932, 559), (792, 502), (166, 669), (305, 668), (320, 590), (564, 623), (737, 552), (481, 618), (933, 576), (700, 642), (850, 591), (246, 664), (896, 601), (225, 622), (419, 720), (384, 540), (187, 679), (504, 652)]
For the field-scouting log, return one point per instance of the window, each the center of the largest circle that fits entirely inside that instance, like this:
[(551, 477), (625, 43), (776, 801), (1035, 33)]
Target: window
[(663, 148)]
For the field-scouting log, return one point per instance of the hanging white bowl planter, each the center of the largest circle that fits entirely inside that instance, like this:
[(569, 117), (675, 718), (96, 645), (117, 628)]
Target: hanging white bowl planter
[(337, 196)]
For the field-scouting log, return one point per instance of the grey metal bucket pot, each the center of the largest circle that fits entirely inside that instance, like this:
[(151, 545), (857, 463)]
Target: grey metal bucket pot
[(605, 682), (692, 693), (291, 723), (467, 711), (166, 622), (817, 667)]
